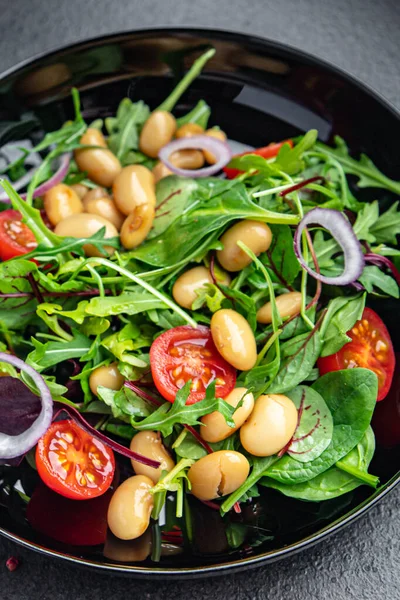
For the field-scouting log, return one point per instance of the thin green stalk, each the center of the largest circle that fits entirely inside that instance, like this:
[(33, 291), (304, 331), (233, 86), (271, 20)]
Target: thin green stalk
[(163, 297), (179, 439), (368, 479), (179, 501), (98, 280), (155, 543), (267, 346), (190, 76), (271, 191)]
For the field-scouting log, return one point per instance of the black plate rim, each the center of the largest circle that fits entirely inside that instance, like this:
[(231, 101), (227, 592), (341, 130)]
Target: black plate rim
[(361, 509)]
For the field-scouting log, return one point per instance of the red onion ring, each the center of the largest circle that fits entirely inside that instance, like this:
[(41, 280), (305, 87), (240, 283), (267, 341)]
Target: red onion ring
[(341, 230), (44, 187), (12, 446), (220, 150)]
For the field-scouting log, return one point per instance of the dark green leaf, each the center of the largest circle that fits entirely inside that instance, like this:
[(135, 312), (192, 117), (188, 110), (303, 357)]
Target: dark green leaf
[(351, 397), (373, 278), (298, 357), (124, 129), (386, 229), (281, 256), (168, 415), (342, 315), (199, 115), (173, 196), (314, 431), (334, 482)]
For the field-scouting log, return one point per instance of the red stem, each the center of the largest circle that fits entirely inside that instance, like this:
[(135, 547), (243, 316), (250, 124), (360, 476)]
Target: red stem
[(317, 270), (300, 185)]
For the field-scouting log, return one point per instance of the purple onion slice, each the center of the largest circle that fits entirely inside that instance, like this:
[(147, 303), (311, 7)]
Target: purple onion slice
[(219, 149), (340, 229), (12, 446), (47, 185)]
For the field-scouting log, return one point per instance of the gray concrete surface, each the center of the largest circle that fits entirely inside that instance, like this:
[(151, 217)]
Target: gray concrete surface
[(361, 36)]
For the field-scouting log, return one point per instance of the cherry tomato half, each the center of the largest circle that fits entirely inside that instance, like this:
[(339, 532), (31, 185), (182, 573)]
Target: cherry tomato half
[(184, 353), (15, 237), (73, 463), (371, 348), (266, 152)]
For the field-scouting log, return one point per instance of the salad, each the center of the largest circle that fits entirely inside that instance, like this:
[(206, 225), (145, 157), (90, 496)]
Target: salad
[(183, 327)]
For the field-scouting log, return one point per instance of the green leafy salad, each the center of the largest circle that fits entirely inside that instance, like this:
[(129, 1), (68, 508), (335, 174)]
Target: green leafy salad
[(200, 313)]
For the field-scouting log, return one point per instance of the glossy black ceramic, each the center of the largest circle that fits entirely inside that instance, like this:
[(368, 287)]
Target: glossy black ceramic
[(259, 92)]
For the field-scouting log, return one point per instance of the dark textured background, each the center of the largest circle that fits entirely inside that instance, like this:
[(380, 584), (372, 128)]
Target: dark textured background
[(361, 36)]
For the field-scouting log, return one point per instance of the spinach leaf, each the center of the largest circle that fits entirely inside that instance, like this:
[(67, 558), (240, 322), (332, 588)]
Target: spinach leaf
[(351, 397), (334, 482), (202, 218), (173, 196), (372, 277), (281, 256), (168, 415), (367, 173), (124, 128), (314, 430), (341, 316), (16, 311), (298, 357)]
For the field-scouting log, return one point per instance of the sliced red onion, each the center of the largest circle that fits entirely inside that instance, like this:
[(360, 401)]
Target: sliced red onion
[(341, 230), (80, 419), (12, 446), (218, 148), (47, 185)]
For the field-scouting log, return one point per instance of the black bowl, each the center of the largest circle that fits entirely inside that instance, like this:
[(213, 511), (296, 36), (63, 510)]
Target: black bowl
[(259, 91)]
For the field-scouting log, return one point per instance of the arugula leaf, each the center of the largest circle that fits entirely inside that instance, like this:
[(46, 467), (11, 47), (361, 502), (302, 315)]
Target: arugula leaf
[(334, 482), (387, 227), (372, 277), (199, 115), (298, 357), (351, 397), (124, 403), (51, 353), (168, 415), (16, 311), (289, 159), (314, 430), (31, 216), (366, 217), (209, 295), (185, 82), (281, 256), (124, 128), (367, 173), (125, 343), (341, 316), (187, 232), (128, 303)]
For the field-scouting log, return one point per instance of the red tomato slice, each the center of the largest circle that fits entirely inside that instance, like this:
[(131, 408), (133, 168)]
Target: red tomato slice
[(184, 353), (266, 152), (15, 237), (371, 348), (73, 463), (67, 521)]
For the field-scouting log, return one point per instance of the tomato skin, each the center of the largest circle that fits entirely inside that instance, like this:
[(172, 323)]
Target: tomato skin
[(371, 348), (67, 521), (73, 463), (184, 353), (16, 238), (266, 152)]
